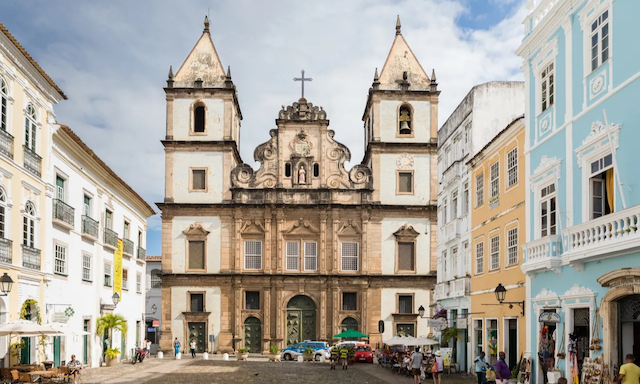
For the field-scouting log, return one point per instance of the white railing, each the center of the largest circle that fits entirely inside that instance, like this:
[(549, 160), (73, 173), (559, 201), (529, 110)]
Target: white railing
[(441, 290), (451, 229), (451, 173), (605, 232), (542, 253), (459, 287), (540, 10)]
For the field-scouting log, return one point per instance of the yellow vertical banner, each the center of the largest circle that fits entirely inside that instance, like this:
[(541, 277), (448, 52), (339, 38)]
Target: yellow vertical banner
[(117, 269)]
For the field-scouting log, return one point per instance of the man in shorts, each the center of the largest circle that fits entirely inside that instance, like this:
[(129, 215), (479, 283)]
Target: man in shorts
[(416, 362)]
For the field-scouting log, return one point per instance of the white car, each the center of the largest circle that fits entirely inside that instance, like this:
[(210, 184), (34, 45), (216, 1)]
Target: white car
[(349, 344)]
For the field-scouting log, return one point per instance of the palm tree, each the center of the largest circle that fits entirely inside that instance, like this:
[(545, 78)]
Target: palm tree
[(108, 323)]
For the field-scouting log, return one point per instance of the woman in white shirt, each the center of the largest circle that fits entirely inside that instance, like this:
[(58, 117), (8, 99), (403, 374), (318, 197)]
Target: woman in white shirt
[(192, 345)]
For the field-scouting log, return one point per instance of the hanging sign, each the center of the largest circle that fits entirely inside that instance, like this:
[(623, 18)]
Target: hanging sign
[(117, 270), (549, 317), (156, 323), (439, 323)]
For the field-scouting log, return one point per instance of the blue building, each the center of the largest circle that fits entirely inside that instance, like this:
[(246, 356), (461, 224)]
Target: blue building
[(582, 256)]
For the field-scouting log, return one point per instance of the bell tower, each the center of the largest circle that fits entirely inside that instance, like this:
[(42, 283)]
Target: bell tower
[(401, 128), (203, 127)]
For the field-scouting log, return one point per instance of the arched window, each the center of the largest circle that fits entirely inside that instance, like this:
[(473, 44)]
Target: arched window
[(3, 213), (29, 225), (198, 118), (316, 170), (405, 122), (4, 96), (155, 278), (30, 128)]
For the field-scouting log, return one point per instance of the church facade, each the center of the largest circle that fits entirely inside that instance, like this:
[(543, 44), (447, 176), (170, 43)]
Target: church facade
[(300, 248)]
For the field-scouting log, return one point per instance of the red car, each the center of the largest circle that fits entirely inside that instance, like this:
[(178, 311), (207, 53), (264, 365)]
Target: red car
[(364, 353)]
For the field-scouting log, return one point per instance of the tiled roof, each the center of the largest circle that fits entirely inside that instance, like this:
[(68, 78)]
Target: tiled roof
[(31, 60), (117, 178), (154, 258)]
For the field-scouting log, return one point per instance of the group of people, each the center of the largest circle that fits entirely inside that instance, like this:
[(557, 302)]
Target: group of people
[(500, 369), (340, 355), (192, 347), (416, 364)]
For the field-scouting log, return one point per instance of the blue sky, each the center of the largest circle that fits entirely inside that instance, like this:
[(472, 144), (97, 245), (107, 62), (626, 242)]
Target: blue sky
[(112, 58)]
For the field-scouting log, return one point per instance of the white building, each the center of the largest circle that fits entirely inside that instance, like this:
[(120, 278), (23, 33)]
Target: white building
[(482, 114), (91, 208), (153, 303)]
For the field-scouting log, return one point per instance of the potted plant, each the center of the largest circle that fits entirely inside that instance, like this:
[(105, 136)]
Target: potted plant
[(274, 353), (308, 354), (243, 354), (112, 356), (107, 324)]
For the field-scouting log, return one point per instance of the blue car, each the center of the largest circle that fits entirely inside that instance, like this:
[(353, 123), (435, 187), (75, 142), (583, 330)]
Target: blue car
[(320, 348)]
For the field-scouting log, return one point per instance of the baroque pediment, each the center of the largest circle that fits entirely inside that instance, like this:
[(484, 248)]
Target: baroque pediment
[(302, 111), (252, 227), (350, 227), (195, 230), (406, 233), (300, 227)]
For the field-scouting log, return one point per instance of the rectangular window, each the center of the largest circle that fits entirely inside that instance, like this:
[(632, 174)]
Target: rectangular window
[(138, 282), (547, 87), (548, 210), (495, 179), (479, 258), (512, 246), (125, 231), (196, 254), (512, 167), (465, 254), (253, 255), (444, 264), (405, 304), (465, 198), (406, 256), (252, 300), (108, 282), (349, 256), (479, 189), (454, 205), (445, 210), (405, 182), (86, 268), (198, 180), (87, 206), (59, 188), (349, 301), (310, 256), (293, 255), (454, 261), (108, 219), (495, 252), (60, 266), (600, 40), (601, 186), (197, 302), (125, 279)]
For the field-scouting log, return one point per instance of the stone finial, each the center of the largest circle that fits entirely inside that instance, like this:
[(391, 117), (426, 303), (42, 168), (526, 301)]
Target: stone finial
[(229, 72), (398, 26), (171, 72), (433, 87), (375, 76), (206, 24), (228, 82), (433, 75)]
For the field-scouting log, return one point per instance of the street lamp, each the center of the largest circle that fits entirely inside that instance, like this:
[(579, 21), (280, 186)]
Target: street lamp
[(6, 283), (154, 309), (421, 311), (501, 294), (115, 298)]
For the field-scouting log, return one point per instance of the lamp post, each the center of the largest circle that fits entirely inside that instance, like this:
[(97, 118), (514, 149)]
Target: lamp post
[(501, 295), (6, 283), (115, 298)]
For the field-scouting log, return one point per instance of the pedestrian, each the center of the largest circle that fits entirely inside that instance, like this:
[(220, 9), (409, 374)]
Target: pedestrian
[(503, 373), (176, 346), (629, 372), (481, 367), (192, 345), (74, 368), (344, 353), (438, 368), (334, 357), (105, 346), (416, 362)]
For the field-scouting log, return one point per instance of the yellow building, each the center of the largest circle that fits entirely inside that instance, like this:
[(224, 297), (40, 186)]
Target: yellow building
[(498, 230), (27, 97)]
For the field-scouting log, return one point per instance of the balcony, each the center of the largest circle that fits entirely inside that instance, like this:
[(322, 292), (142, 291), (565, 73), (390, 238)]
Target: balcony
[(441, 291), (30, 257), (32, 162), (63, 214), (127, 247), (6, 250), (460, 287), (90, 228), (451, 173), (6, 143), (451, 230), (142, 253), (542, 254), (110, 238), (614, 233)]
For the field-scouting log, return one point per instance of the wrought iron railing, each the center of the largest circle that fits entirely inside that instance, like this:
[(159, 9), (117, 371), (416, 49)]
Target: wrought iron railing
[(110, 237), (127, 246), (30, 257), (32, 162), (63, 211), (142, 253), (6, 143), (6, 250), (90, 226)]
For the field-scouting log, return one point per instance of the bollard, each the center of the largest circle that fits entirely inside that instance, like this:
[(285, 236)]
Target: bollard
[(375, 360), (179, 356), (160, 355), (300, 359), (205, 356), (225, 356), (323, 359)]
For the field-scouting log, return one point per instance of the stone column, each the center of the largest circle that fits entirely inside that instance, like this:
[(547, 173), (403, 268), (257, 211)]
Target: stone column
[(335, 216), (237, 241), (267, 241), (364, 268), (166, 337), (322, 263), (279, 240)]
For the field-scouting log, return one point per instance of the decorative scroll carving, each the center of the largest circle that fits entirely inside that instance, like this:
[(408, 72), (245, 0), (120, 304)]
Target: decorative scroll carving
[(577, 290), (350, 227), (303, 225), (406, 233), (301, 110), (252, 227), (195, 230), (243, 176)]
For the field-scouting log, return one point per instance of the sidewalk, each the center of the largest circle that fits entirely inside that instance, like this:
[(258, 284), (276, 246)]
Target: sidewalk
[(129, 373), (393, 378)]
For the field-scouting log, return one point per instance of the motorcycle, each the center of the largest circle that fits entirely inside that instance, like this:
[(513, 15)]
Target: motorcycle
[(140, 354)]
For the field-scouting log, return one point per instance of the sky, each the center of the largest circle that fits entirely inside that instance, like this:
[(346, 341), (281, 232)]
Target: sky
[(111, 58)]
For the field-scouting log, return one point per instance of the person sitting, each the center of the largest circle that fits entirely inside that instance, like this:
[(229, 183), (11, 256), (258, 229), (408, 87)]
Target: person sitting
[(395, 366), (75, 367)]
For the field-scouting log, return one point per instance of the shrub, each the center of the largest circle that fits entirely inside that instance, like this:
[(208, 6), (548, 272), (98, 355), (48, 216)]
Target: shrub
[(274, 349), (243, 350)]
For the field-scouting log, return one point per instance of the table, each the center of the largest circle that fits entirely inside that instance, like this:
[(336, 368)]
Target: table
[(24, 368), (39, 374)]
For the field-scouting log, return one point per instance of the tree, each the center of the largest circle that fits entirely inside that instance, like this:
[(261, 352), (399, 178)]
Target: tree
[(110, 322), (452, 333)]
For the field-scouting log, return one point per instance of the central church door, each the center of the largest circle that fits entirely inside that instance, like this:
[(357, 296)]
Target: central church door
[(301, 320)]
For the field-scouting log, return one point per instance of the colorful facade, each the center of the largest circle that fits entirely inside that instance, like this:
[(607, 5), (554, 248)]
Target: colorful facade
[(582, 252), (498, 227)]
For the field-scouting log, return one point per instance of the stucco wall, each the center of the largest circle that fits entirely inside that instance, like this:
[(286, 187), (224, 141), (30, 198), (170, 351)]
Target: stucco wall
[(389, 306), (180, 303), (183, 115), (389, 121), (421, 180), (210, 223), (423, 246), (183, 162)]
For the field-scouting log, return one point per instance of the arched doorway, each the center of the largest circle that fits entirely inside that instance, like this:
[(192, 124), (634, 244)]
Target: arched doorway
[(629, 308), (253, 334), (347, 324), (301, 319)]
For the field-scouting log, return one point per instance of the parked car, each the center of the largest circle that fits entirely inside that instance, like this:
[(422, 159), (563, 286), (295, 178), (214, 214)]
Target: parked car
[(348, 344), (364, 353), (320, 348)]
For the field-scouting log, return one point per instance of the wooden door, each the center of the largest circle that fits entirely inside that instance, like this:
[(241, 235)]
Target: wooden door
[(253, 335), (197, 331)]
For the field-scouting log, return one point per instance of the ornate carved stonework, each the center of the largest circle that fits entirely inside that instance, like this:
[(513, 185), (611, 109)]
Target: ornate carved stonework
[(406, 233), (577, 290), (546, 294), (195, 230), (301, 145), (301, 110)]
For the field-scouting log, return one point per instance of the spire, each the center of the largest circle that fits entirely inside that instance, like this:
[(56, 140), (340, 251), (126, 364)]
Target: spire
[(229, 72), (376, 80), (433, 75), (206, 24), (398, 26), (433, 87), (227, 82), (171, 72), (375, 75)]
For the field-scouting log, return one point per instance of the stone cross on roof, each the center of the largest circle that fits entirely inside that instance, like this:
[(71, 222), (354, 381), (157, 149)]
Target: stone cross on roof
[(302, 79)]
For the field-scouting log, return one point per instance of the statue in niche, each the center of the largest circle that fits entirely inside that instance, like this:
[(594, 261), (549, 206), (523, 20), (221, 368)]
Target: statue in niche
[(302, 175)]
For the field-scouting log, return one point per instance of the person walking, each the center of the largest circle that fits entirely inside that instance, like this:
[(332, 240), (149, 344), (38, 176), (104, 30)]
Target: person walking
[(192, 345), (503, 373), (439, 368), (176, 346), (416, 362), (481, 368), (629, 372), (334, 357), (344, 353)]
